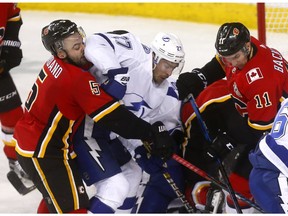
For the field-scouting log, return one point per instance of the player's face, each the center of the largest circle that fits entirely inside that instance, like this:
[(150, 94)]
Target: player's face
[(74, 47), (163, 70), (237, 60)]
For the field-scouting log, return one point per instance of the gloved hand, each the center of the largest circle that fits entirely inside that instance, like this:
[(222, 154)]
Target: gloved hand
[(191, 82), (178, 136), (220, 147), (148, 162), (163, 143), (123, 79), (117, 82)]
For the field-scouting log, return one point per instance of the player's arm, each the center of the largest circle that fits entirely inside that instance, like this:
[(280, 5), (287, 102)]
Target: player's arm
[(101, 52), (129, 126), (126, 124), (199, 78), (116, 83), (11, 54)]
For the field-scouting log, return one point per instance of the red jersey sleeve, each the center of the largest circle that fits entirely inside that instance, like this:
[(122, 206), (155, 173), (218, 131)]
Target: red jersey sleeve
[(92, 98)]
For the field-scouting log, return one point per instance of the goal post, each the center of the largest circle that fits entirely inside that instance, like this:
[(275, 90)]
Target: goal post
[(272, 21), (261, 22)]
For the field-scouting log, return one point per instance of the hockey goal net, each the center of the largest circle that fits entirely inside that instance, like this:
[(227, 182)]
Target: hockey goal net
[(273, 25)]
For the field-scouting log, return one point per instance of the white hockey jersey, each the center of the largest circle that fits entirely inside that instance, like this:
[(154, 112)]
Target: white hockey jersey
[(143, 97), (111, 51)]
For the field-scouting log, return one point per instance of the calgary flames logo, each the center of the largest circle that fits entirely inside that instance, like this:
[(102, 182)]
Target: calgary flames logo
[(236, 31), (45, 31)]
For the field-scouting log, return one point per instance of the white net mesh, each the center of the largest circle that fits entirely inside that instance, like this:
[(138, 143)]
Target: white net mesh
[(277, 26)]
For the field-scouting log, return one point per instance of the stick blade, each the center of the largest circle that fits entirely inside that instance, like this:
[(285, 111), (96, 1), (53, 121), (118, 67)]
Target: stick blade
[(18, 184)]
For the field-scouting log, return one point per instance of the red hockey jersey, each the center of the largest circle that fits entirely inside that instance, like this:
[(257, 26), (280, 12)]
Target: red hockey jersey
[(60, 97), (260, 86)]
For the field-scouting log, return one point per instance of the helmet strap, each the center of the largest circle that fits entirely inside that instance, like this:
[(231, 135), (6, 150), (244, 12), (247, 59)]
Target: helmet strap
[(156, 59), (246, 50)]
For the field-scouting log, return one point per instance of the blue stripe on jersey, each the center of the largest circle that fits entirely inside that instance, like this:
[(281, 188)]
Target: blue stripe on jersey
[(171, 92), (279, 150), (107, 39)]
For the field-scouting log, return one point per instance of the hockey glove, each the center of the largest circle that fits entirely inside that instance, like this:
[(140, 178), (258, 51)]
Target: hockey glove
[(221, 146), (191, 82), (178, 136), (116, 84), (163, 143), (148, 162)]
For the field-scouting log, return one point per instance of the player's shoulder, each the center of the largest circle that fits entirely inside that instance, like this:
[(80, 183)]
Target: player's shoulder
[(59, 68)]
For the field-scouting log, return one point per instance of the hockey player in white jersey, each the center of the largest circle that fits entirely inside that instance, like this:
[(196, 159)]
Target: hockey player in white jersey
[(124, 67), (268, 178)]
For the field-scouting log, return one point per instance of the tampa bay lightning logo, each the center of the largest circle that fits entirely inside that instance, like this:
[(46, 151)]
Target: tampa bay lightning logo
[(147, 50), (2, 31), (166, 39)]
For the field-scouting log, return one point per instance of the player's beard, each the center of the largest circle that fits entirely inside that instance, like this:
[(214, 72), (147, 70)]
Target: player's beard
[(81, 63)]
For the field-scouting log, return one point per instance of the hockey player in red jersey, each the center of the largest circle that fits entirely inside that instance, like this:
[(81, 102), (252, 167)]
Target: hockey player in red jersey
[(256, 74), (61, 96), (10, 101)]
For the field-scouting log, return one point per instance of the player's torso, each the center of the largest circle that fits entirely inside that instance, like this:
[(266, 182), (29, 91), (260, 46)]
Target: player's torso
[(51, 110), (260, 85), (160, 103), (125, 50)]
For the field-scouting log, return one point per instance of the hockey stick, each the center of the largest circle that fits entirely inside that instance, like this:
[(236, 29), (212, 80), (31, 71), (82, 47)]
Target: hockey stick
[(173, 185), (18, 184), (179, 194), (213, 180), (208, 138)]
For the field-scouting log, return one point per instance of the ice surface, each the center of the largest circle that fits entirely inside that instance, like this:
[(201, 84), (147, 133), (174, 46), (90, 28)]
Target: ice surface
[(198, 41)]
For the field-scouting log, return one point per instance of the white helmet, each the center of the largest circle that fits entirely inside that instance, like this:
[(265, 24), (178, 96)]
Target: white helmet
[(168, 46)]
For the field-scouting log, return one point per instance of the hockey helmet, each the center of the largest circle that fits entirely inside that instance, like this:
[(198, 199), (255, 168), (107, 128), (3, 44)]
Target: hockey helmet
[(53, 34), (231, 38), (168, 46)]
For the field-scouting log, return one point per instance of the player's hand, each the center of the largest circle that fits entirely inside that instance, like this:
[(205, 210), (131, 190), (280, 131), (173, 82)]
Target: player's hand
[(123, 79), (116, 84), (146, 161), (221, 146), (190, 82), (163, 143)]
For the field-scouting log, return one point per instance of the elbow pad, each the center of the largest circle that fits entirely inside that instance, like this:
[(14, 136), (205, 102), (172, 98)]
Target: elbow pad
[(116, 84)]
